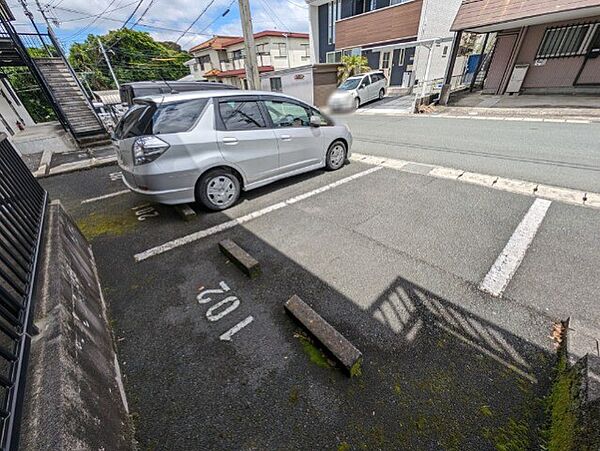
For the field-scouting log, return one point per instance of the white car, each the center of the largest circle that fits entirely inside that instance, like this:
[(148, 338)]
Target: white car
[(358, 90)]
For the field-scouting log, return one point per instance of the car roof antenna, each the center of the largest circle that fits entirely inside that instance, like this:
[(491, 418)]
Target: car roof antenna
[(173, 91)]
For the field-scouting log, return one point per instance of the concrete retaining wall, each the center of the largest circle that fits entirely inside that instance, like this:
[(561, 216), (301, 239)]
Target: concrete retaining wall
[(74, 398)]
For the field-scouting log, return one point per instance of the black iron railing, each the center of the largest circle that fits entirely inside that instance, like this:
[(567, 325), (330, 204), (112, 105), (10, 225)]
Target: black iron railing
[(22, 210)]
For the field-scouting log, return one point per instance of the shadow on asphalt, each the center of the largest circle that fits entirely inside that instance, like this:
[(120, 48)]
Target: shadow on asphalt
[(434, 375)]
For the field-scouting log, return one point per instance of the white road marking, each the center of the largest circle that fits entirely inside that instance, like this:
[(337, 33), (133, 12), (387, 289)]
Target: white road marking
[(505, 267), (174, 244), (106, 196), (553, 193), (227, 336)]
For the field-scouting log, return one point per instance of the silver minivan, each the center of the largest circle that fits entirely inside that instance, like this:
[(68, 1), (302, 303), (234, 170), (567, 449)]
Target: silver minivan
[(209, 146)]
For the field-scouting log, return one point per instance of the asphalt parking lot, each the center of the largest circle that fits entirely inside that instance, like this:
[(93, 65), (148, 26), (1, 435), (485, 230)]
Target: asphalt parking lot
[(392, 259)]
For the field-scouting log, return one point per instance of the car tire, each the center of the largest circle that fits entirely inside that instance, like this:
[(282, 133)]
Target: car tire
[(336, 156), (381, 94), (218, 189), (357, 103)]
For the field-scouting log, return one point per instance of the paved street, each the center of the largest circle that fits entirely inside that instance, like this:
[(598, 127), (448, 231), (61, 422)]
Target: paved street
[(566, 155), (393, 259)]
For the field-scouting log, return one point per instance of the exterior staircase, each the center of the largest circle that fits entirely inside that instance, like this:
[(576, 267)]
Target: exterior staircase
[(80, 118)]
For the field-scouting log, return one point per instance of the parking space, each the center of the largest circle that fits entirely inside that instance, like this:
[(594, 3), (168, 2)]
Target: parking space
[(211, 361)]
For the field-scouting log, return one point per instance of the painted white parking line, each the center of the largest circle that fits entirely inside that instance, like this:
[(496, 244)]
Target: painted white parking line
[(106, 196), (505, 267), (523, 187), (173, 244)]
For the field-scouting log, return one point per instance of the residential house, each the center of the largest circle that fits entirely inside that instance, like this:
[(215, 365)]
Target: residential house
[(542, 46), (221, 59), (208, 56), (396, 36)]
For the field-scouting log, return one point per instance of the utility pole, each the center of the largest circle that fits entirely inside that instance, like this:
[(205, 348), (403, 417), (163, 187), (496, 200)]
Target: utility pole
[(251, 60), (112, 72)]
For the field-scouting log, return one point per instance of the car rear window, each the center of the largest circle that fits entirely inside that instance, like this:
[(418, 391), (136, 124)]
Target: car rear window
[(151, 119)]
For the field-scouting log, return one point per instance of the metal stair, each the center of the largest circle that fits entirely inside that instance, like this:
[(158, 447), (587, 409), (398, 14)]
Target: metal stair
[(86, 127)]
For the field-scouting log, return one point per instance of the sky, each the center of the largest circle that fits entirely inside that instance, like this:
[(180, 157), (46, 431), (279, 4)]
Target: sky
[(78, 18)]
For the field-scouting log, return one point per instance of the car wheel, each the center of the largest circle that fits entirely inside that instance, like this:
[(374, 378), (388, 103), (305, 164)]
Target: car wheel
[(336, 156), (218, 189), (381, 94), (357, 103)]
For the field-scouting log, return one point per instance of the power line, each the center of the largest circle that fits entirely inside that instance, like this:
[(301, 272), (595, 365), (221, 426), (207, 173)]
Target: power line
[(143, 14), (91, 15), (196, 20), (132, 14), (93, 21), (285, 28), (227, 11)]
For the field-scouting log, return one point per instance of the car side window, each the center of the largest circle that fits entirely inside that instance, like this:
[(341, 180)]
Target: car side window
[(366, 82), (287, 114), (241, 115)]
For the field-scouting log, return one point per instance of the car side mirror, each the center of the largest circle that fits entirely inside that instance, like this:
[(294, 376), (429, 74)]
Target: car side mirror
[(315, 121)]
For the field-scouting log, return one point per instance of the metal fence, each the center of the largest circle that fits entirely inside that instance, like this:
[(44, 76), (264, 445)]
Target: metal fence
[(22, 208)]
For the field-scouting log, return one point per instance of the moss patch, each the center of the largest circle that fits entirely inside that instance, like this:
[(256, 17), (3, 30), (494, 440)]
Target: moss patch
[(486, 411), (316, 355), (562, 426), (97, 224), (515, 436), (344, 446)]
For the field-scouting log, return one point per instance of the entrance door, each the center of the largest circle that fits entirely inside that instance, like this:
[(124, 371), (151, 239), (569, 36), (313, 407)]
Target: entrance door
[(589, 74), (502, 53), (385, 63)]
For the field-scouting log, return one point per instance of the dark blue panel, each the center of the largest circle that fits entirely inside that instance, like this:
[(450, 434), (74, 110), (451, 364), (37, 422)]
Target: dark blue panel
[(372, 58), (324, 45)]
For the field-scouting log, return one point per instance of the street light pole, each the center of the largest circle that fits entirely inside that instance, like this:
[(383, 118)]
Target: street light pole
[(108, 64), (252, 75)]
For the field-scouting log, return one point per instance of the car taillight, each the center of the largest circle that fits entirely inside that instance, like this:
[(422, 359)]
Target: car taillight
[(147, 149)]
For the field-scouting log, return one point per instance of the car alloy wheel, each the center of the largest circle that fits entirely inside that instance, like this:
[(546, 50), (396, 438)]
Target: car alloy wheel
[(336, 157), (221, 191), (357, 103), (381, 94)]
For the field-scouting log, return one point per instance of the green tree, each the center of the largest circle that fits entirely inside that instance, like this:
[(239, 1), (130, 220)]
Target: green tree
[(134, 55), (352, 65)]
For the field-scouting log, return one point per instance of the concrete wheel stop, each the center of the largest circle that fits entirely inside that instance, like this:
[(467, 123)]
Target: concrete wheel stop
[(242, 259), (337, 345)]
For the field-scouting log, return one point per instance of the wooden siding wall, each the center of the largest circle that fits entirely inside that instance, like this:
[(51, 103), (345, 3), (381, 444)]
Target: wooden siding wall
[(388, 24), (557, 72), (476, 13)]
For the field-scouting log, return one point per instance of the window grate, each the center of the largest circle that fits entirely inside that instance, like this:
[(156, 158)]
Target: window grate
[(567, 41)]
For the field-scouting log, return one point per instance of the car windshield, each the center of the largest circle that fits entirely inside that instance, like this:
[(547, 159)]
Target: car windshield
[(351, 83)]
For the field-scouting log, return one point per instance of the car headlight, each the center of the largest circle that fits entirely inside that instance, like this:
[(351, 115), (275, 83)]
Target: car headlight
[(146, 149)]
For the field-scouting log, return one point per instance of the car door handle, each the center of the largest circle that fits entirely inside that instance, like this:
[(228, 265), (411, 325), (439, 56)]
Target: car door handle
[(230, 141), (286, 138)]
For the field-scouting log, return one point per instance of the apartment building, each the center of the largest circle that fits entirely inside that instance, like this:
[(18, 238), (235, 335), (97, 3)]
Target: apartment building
[(396, 36), (221, 58), (542, 46)]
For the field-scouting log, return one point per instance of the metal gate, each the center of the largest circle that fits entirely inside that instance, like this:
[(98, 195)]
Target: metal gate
[(22, 209)]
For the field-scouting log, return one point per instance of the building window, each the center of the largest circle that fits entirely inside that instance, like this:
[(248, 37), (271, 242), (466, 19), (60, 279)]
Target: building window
[(306, 53), (280, 49), (445, 52), (364, 6), (334, 13), (399, 2), (385, 60), (237, 55), (572, 40), (334, 57), (204, 61), (261, 49), (276, 84)]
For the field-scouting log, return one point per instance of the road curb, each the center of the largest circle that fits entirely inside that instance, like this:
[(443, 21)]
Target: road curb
[(240, 258), (74, 167)]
